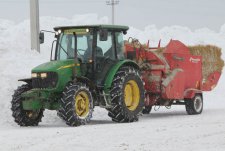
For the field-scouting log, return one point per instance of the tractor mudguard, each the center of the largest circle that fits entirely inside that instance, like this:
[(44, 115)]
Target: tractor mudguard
[(113, 71), (86, 81), (28, 80)]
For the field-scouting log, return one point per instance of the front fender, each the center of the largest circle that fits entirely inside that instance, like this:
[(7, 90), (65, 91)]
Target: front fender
[(86, 81), (113, 71), (28, 80)]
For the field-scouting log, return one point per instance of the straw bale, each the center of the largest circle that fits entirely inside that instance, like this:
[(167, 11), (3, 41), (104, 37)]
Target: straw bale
[(211, 58)]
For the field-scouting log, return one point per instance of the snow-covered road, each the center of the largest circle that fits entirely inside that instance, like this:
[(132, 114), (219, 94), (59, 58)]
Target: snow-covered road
[(162, 130)]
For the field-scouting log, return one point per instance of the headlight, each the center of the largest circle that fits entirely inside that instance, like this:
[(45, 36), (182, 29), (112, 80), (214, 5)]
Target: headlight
[(43, 75), (58, 32), (34, 75)]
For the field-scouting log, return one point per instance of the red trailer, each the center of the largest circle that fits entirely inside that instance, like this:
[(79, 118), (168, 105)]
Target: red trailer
[(172, 75)]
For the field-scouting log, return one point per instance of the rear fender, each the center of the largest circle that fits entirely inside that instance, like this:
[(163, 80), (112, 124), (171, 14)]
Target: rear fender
[(113, 71)]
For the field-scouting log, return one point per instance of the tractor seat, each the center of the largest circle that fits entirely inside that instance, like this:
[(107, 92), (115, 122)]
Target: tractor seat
[(99, 52)]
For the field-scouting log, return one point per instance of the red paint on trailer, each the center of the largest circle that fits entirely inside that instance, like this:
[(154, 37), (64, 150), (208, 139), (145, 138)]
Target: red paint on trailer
[(171, 74)]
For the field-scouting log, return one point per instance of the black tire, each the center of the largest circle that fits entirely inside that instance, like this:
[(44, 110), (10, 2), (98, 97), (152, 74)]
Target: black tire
[(23, 117), (120, 112), (147, 109), (195, 105), (69, 107), (60, 112)]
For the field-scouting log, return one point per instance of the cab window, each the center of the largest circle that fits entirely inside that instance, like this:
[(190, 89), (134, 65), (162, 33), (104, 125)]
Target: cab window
[(106, 48), (120, 45)]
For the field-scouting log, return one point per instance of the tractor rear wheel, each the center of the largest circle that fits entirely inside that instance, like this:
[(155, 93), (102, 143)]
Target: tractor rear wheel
[(76, 105), (195, 105), (24, 117), (127, 95)]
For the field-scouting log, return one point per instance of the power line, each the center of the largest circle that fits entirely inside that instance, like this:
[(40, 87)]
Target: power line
[(54, 1), (112, 3)]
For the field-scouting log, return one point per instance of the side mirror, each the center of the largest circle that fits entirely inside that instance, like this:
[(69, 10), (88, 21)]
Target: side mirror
[(103, 35), (41, 37)]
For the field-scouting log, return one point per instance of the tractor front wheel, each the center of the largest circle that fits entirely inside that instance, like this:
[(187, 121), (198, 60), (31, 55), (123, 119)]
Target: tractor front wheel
[(127, 95), (76, 105), (195, 105), (24, 117)]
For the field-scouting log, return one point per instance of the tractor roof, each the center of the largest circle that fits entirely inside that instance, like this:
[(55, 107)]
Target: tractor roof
[(110, 27)]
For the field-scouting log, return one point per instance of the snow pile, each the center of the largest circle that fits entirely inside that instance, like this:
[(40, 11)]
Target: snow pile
[(4, 24), (17, 60)]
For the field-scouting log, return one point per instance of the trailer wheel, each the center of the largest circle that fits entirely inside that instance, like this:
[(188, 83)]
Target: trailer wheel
[(76, 105), (127, 95), (24, 117), (195, 105), (147, 109)]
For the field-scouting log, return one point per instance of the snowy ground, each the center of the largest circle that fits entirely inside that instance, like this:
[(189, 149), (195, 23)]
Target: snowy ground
[(162, 130)]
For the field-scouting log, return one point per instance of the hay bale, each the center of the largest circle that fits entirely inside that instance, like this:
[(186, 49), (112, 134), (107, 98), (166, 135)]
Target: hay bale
[(211, 58)]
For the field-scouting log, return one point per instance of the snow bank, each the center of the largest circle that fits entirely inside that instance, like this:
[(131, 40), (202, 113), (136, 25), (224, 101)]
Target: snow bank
[(17, 60)]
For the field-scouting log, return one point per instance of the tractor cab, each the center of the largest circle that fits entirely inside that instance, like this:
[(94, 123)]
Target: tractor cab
[(95, 48)]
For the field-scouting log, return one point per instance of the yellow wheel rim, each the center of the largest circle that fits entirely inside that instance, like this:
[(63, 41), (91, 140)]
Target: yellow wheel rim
[(131, 95), (82, 104)]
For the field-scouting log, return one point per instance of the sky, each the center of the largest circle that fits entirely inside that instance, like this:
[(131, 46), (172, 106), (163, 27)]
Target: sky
[(137, 13)]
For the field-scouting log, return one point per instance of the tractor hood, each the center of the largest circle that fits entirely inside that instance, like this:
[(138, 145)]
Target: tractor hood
[(53, 66)]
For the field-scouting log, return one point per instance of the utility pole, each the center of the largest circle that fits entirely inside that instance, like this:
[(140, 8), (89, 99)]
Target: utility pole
[(112, 3), (34, 25)]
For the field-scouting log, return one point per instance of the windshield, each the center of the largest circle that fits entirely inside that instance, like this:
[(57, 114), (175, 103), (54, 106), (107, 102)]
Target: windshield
[(65, 49)]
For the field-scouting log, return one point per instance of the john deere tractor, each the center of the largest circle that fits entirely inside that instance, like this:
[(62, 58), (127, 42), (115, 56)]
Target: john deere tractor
[(87, 69)]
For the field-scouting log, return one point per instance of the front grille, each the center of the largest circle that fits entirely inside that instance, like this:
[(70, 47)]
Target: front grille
[(49, 82)]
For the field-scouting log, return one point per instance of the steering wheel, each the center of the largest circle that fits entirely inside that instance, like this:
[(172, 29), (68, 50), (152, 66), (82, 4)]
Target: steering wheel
[(80, 56), (81, 50)]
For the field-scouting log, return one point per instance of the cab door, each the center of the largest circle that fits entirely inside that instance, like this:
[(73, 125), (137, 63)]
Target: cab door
[(105, 57)]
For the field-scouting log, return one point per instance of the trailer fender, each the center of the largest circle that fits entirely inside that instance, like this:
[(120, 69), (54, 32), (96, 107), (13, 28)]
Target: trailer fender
[(190, 93), (113, 71)]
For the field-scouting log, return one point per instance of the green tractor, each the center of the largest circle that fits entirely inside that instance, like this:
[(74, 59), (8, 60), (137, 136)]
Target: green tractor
[(87, 68)]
